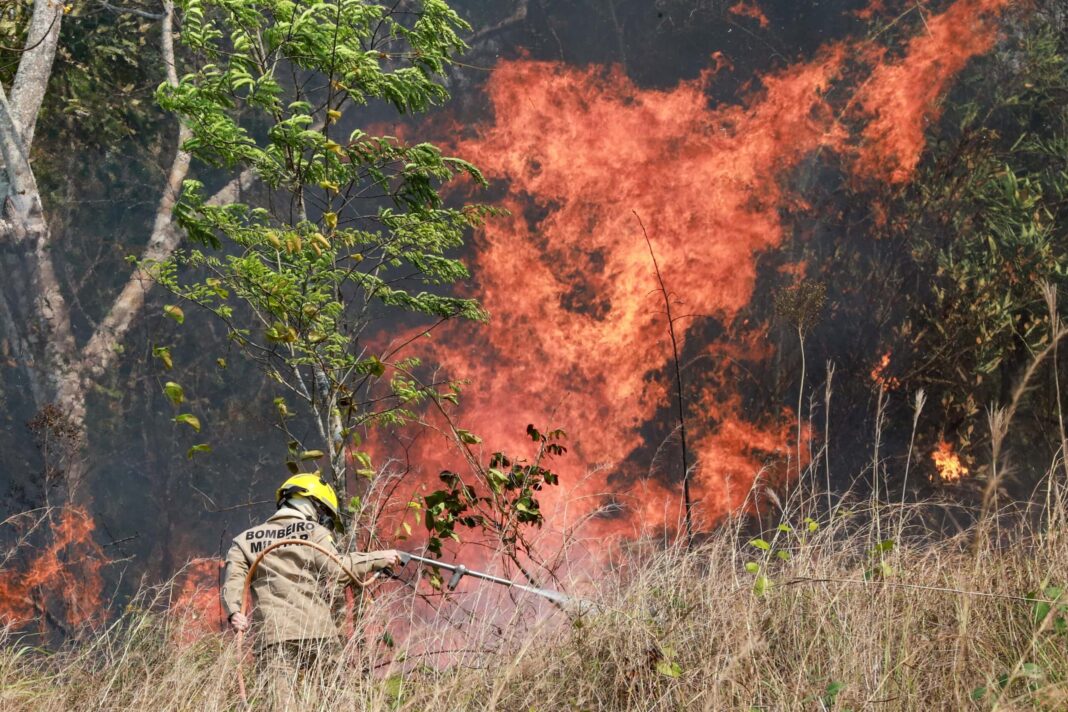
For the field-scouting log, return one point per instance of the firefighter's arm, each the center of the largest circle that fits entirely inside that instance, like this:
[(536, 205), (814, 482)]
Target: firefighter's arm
[(358, 562), (361, 563), (234, 586)]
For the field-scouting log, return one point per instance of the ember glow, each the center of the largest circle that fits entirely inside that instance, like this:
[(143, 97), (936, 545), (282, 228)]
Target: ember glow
[(947, 463), (878, 374)]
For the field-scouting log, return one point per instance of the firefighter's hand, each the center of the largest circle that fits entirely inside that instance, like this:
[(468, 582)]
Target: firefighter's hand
[(239, 622), (388, 558)]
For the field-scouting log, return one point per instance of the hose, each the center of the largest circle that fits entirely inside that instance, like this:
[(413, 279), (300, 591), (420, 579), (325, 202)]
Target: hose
[(248, 585)]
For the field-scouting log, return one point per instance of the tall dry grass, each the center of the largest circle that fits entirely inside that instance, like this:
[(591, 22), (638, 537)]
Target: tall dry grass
[(872, 606), (838, 620)]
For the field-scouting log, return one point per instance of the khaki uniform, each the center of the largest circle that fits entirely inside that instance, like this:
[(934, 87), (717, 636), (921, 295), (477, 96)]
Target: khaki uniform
[(295, 587)]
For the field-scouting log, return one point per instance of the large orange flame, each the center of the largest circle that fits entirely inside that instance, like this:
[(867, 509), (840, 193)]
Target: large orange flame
[(578, 335), (902, 98)]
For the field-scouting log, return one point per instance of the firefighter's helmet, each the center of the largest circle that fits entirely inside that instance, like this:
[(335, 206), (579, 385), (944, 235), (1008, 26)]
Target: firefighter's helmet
[(312, 486)]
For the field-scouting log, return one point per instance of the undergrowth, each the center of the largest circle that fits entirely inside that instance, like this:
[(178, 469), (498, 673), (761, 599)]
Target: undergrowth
[(867, 609)]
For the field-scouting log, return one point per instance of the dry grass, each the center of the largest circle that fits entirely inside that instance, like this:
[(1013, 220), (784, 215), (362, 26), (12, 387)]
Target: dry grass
[(674, 630)]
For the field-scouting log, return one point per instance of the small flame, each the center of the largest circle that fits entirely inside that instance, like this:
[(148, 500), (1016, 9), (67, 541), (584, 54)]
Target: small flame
[(948, 463), (878, 374), (750, 10)]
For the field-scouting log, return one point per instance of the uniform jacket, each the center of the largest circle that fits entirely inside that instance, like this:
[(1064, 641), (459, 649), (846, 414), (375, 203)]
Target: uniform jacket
[(294, 588)]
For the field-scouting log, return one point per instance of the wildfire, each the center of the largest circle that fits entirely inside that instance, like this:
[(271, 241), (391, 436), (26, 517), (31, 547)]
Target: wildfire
[(579, 339), (62, 580), (878, 374), (578, 335), (750, 10), (197, 602), (947, 463)]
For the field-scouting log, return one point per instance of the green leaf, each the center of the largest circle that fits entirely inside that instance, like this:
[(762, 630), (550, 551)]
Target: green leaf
[(196, 449), (188, 419), (784, 555), (163, 353), (174, 392), (467, 437), (311, 454), (174, 312), (762, 585), (830, 695), (883, 547), (1032, 671), (760, 544), (752, 567), (668, 668)]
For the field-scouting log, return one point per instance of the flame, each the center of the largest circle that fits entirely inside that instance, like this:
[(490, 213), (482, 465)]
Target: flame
[(901, 99), (62, 581), (948, 463), (873, 9), (750, 10), (878, 374), (578, 336), (196, 601)]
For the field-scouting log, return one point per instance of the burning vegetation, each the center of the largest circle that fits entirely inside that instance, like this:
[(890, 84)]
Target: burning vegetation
[(947, 463), (58, 584), (579, 338)]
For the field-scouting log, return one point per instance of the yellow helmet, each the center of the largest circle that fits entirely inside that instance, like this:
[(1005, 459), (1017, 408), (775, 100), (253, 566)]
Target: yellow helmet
[(312, 486)]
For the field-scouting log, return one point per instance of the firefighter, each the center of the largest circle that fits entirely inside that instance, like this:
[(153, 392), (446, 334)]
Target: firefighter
[(294, 588)]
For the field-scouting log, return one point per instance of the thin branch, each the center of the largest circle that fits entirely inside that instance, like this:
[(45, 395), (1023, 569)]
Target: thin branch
[(134, 11), (687, 501)]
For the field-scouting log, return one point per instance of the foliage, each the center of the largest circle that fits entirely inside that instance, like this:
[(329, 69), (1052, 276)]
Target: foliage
[(353, 224), (984, 228), (672, 629), (800, 305), (509, 504)]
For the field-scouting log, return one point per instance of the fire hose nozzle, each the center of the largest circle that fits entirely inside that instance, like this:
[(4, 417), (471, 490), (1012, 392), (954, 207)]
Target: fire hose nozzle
[(457, 574)]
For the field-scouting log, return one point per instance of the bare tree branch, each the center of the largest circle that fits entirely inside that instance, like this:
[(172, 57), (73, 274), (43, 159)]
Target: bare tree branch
[(35, 66), (100, 352), (516, 18)]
